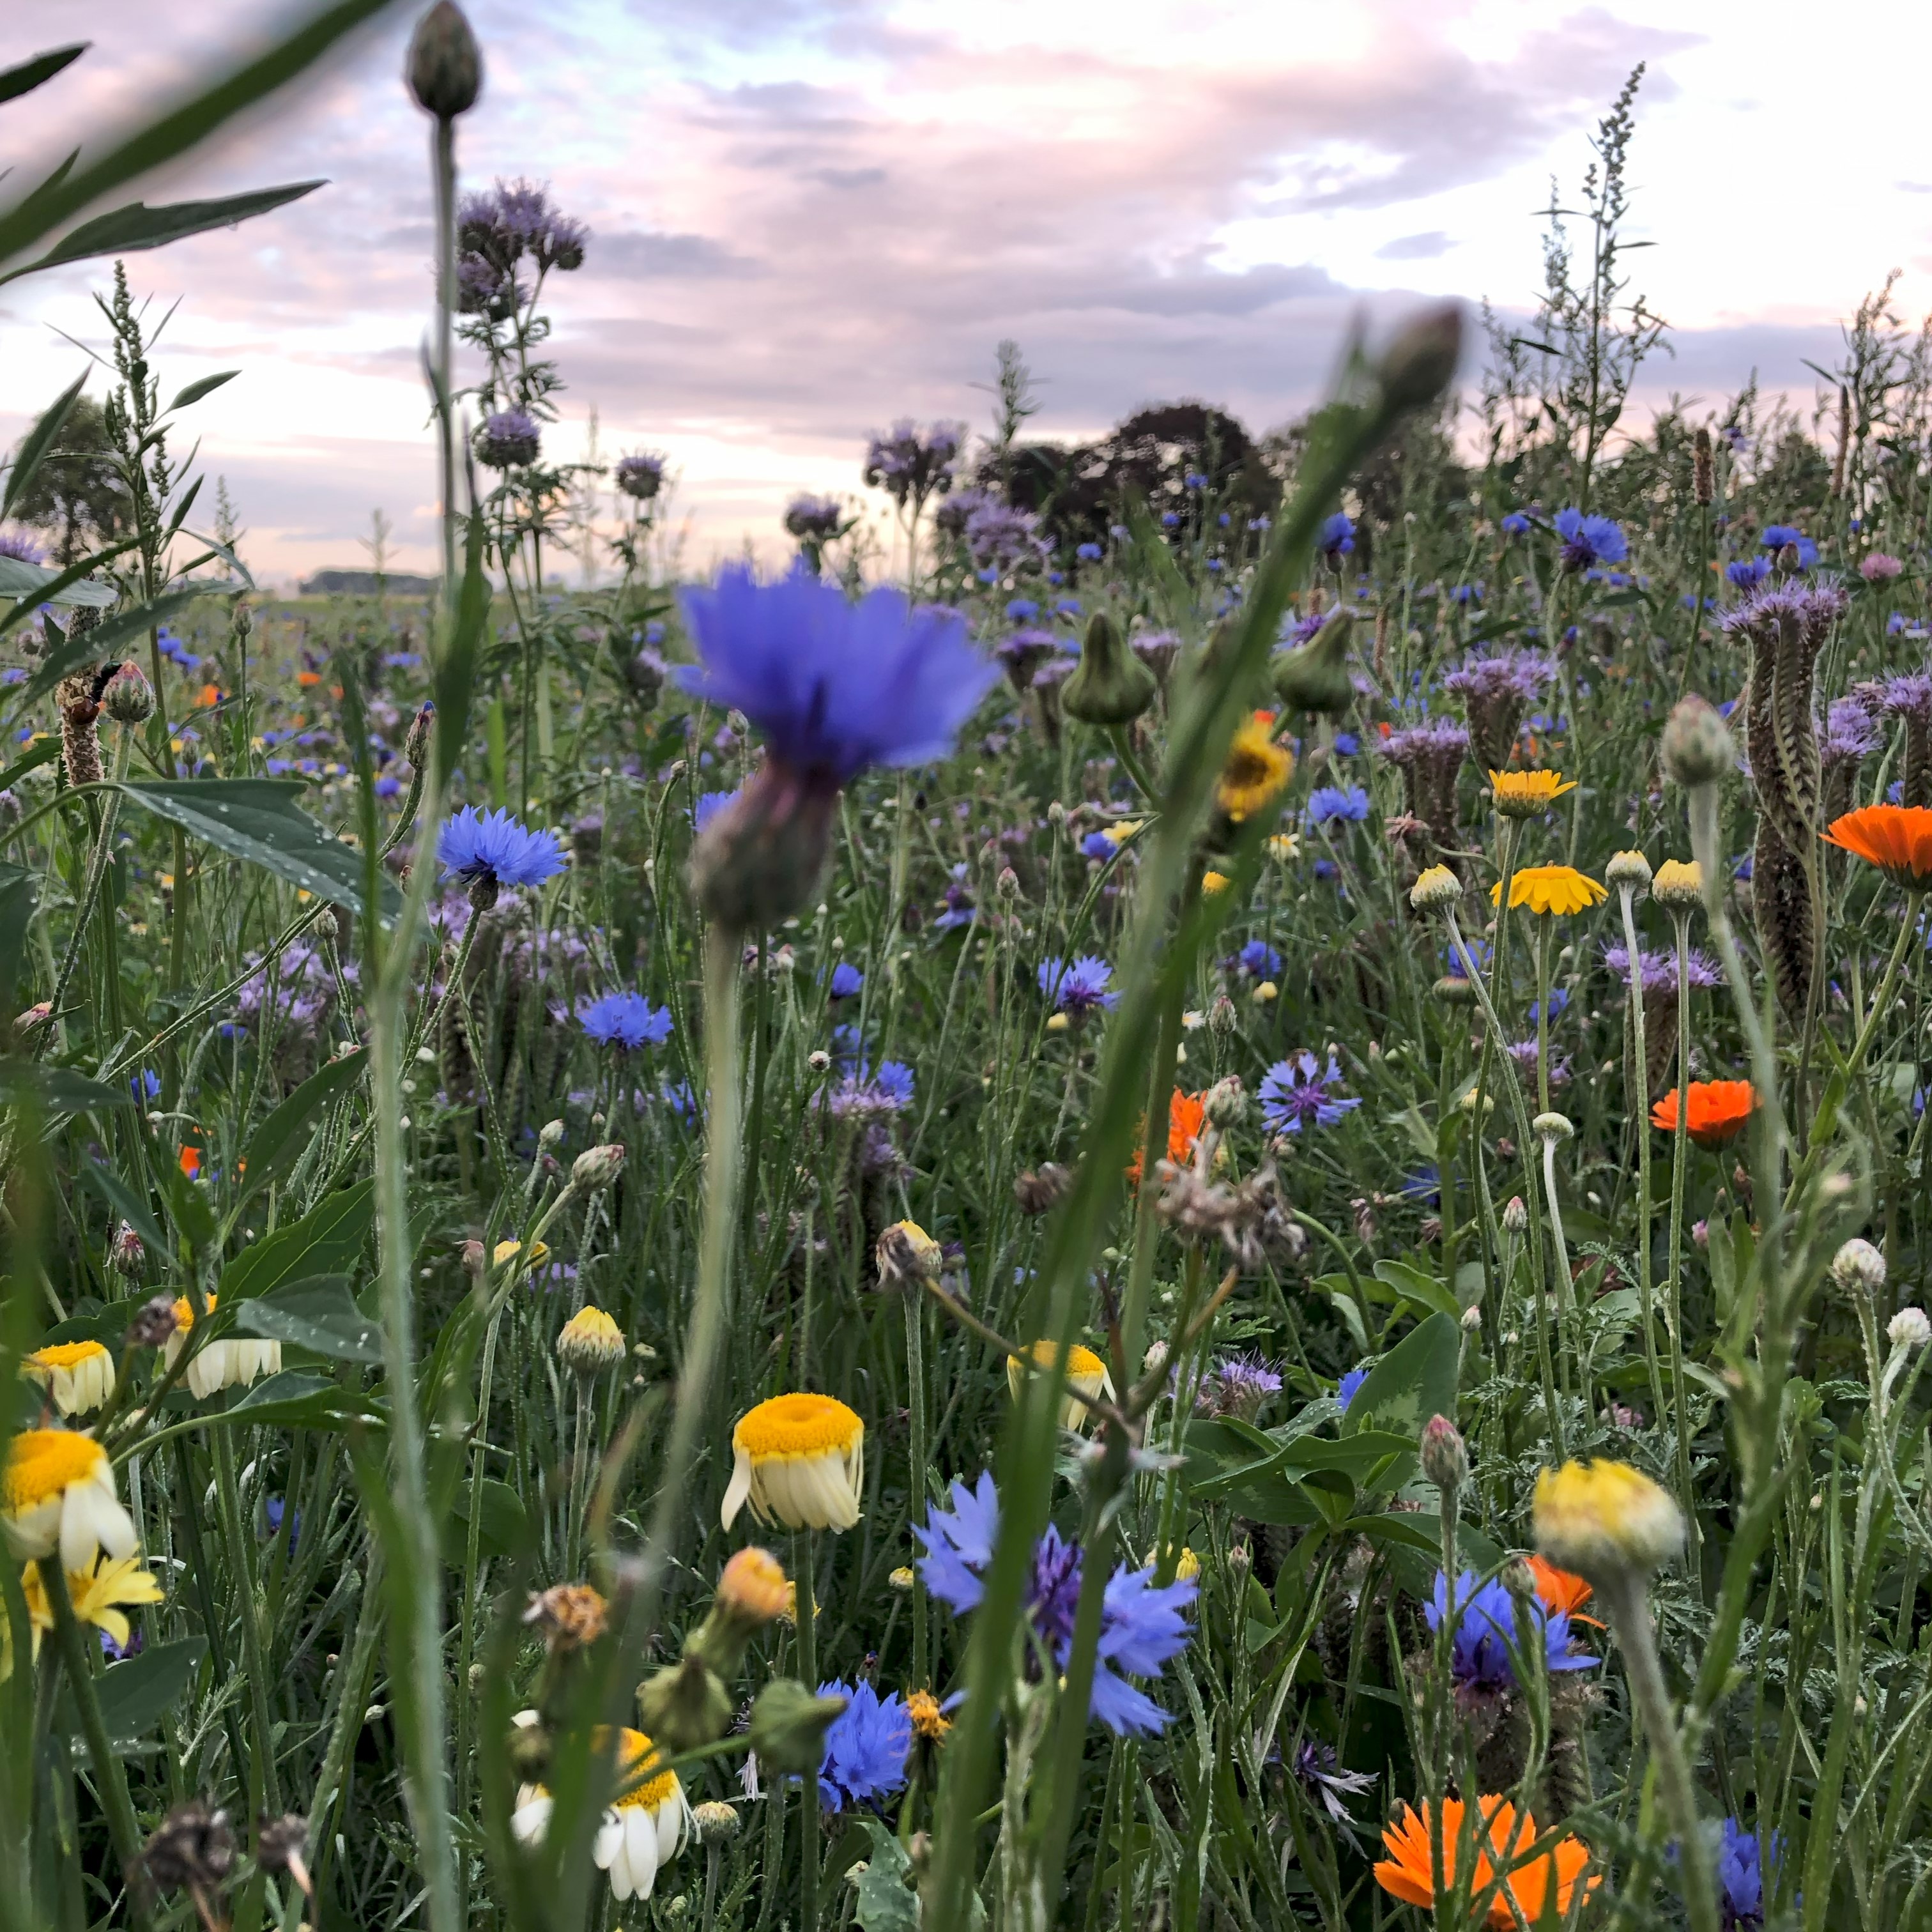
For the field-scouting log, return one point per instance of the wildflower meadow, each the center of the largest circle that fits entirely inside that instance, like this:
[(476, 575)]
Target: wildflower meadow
[(1197, 1201)]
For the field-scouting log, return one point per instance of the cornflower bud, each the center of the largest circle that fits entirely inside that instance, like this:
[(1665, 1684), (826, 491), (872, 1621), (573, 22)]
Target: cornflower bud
[(1516, 1215), (126, 1253), (1445, 1457), (1858, 1268), (415, 746), (1698, 748), (1226, 1103), (1221, 1017), (445, 70), (1007, 885), (1109, 686), (596, 1168), (128, 698), (789, 1723), (819, 1061), (1419, 365)]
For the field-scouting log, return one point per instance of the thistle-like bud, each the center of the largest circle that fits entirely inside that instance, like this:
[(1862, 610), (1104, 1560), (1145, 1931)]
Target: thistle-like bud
[(1698, 748), (1226, 1103), (1039, 1188), (1679, 885), (1007, 885), (572, 1616), (1909, 1328), (759, 860), (1315, 678), (445, 70), (715, 1821), (1445, 1457), (685, 1706), (590, 1342), (1436, 890), (906, 1253), (1516, 1215), (1628, 870), (594, 1168), (415, 746), (789, 1723), (192, 1850), (1420, 363), (1110, 685), (154, 1321), (126, 1254), (281, 1845), (1453, 989), (1221, 1017), (1703, 470), (550, 1134), (128, 698), (1858, 1268)]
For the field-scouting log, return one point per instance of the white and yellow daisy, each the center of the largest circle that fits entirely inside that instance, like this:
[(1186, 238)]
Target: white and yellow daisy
[(58, 1494), (1086, 1375), (220, 1364), (643, 1827), (79, 1376), (800, 1461)]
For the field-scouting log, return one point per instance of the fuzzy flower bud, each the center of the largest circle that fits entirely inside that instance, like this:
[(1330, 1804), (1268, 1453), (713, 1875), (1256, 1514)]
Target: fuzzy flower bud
[(1698, 747), (715, 1821), (1679, 885), (415, 746), (1909, 1328), (789, 1723), (596, 1168), (1858, 1268), (1703, 470), (1435, 890), (1109, 686), (154, 1321), (1516, 1215), (1552, 1127), (1420, 363), (128, 697), (590, 1342), (1226, 1103), (445, 70), (1221, 1017), (1445, 1457), (685, 1705), (1314, 678), (1007, 885), (1605, 1519), (1627, 869), (126, 1254)]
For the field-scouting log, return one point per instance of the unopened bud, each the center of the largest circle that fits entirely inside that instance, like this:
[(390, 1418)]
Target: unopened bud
[(906, 1253), (596, 1168), (715, 1821), (685, 1706), (1858, 1268), (1221, 1017), (1445, 1458), (590, 1342), (1698, 748), (1552, 1127), (444, 69), (1110, 684), (1516, 1215), (129, 698), (1007, 885), (550, 1134), (1628, 868), (789, 1723), (1314, 678), (1436, 890), (1679, 885), (1039, 1188), (1226, 1103), (126, 1253), (1703, 470), (154, 1321), (1909, 1328), (1420, 363), (415, 746)]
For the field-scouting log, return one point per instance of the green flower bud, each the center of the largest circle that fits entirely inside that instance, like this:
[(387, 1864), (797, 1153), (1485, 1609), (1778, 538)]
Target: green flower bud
[(1315, 678), (685, 1706), (1110, 685), (1420, 363), (446, 65), (789, 1723)]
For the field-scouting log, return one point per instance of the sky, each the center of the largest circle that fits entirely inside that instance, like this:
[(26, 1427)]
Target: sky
[(810, 216)]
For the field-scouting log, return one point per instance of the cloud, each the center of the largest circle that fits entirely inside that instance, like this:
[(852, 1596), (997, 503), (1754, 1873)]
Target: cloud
[(1424, 247)]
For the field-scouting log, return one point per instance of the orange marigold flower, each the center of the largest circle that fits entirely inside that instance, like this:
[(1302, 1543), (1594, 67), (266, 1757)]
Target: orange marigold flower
[(190, 1162), (1501, 1838), (306, 678), (1896, 838), (1187, 1115), (1717, 1111), (1561, 1590)]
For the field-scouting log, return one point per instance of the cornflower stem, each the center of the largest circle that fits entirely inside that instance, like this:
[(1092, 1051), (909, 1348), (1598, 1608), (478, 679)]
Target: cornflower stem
[(1153, 1146), (1680, 1162), (90, 892), (1638, 1103), (121, 1824), (913, 1306), (1537, 1275), (808, 1834), (1623, 1596), (473, 1559), (267, 1784)]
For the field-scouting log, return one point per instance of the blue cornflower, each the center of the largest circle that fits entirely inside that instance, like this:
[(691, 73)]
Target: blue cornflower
[(846, 980), (1515, 524), (626, 1020), (957, 901), (709, 804), (1088, 553), (1295, 1093), (1259, 960), (834, 685), (1589, 540), (1740, 1863), (1097, 845), (894, 1080), (865, 1747), (1347, 1389), (1485, 1617), (1022, 610), (1748, 572), (1337, 536), (848, 1044), (1777, 535), (1559, 998), (1077, 985), (146, 1084), (677, 1096), (493, 847), (1067, 607), (1346, 745), (1142, 1625), (1170, 519), (388, 786), (1334, 802), (273, 1509)]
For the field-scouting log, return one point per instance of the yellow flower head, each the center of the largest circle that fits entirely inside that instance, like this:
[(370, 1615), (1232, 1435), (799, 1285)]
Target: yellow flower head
[(1086, 1375), (1527, 794), (905, 1253), (644, 1826), (219, 1364), (1214, 882), (1550, 888), (754, 1589), (78, 1375), (1435, 887), (58, 1493), (928, 1719), (1679, 883), (1121, 830), (590, 1342), (800, 1460), (97, 1594), (1604, 1520), (1255, 773), (505, 1253)]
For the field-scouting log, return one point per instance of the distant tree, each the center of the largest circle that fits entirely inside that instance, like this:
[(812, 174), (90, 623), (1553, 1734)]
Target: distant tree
[(77, 496)]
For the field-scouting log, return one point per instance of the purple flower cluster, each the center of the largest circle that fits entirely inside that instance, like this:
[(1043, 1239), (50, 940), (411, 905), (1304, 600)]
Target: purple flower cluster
[(514, 220), (508, 440), (1299, 1092), (1237, 1385), (814, 520), (911, 464), (640, 477), (300, 993)]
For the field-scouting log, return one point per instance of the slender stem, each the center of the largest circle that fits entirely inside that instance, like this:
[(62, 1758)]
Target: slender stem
[(1638, 1106), (254, 1666), (442, 168), (809, 1837), (913, 1306), (1680, 1158)]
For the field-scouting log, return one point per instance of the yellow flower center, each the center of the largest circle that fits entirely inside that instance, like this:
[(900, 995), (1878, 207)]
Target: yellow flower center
[(637, 1753), (42, 1462), (66, 1355), (184, 1312), (796, 1425)]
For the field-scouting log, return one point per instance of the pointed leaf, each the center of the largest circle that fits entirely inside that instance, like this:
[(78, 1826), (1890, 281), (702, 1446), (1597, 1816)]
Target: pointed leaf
[(20, 580), (328, 1239), (274, 1147), (1415, 1380), (30, 74), (59, 1090), (316, 1313), (259, 820), (206, 386), (135, 1692), (38, 440), (298, 1399), (124, 231), (887, 1903), (105, 641)]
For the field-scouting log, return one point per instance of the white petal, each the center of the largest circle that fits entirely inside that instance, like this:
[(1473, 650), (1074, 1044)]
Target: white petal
[(737, 1490), (609, 1841), (35, 1531), (640, 1846), (78, 1541), (670, 1827), (531, 1819)]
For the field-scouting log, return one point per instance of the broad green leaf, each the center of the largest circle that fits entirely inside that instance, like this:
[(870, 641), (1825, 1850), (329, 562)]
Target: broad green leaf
[(59, 1090), (886, 1902), (39, 439), (104, 1325), (1412, 1546), (506, 1530), (1414, 1284), (106, 640), (318, 1314), (43, 753), (298, 1399), (1415, 1380), (328, 1239), (30, 74), (126, 230), (20, 580), (206, 386), (275, 1146), (135, 1692), (259, 820)]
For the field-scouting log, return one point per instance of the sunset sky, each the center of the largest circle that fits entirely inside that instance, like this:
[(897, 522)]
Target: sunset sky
[(809, 216)]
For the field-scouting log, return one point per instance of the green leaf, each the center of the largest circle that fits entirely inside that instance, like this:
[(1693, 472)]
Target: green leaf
[(59, 1090), (259, 820), (887, 1903), (206, 386), (126, 230), (104, 1325), (506, 1527), (44, 753), (30, 74), (129, 1205), (20, 899), (328, 1239), (1412, 1284), (317, 1314), (38, 439), (135, 1692), (1415, 1380), (1413, 1547), (274, 1147), (105, 641), (298, 1399), (19, 580)]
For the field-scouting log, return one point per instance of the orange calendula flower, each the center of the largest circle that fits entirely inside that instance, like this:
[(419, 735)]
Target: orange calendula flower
[(1561, 1590), (1716, 1114), (1501, 1838), (1550, 888), (1187, 1115), (1527, 794), (1896, 838)]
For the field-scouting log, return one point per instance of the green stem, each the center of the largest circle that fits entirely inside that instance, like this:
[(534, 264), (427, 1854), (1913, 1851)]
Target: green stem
[(912, 1303), (90, 891), (254, 1665), (1674, 1292), (1638, 1106), (809, 1836)]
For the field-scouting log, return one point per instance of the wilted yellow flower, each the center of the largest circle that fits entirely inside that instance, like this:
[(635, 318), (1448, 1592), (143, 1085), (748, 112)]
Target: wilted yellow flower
[(1527, 794), (1550, 888), (507, 1251), (1186, 1565), (906, 1252), (78, 1375), (58, 1493), (1122, 830), (1256, 771), (1605, 1518), (800, 1461), (753, 1590), (220, 1365), (928, 1719), (1086, 1375)]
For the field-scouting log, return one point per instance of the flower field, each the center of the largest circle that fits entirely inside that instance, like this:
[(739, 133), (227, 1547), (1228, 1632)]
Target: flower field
[(1200, 1202)]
